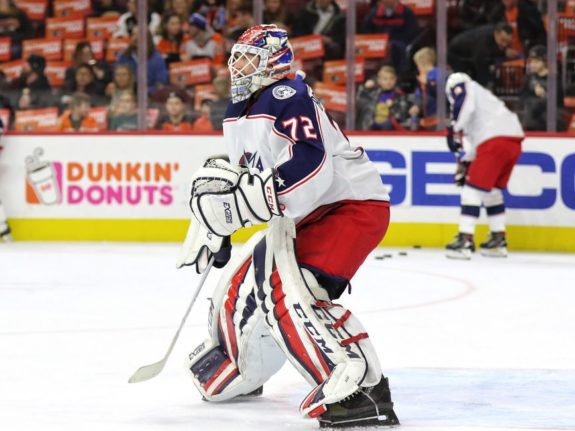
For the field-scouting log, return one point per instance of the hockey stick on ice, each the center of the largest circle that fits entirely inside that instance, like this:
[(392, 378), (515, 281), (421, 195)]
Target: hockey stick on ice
[(148, 372)]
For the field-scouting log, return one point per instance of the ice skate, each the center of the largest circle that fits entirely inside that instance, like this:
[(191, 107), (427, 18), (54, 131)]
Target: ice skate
[(5, 233), (367, 407), (495, 246), (461, 248)]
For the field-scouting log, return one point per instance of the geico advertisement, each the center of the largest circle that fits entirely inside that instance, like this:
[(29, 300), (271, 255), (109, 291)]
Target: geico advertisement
[(419, 174), (100, 176), (138, 176)]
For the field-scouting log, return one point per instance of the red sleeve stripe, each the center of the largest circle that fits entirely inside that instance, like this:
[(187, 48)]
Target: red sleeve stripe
[(255, 117), (283, 135)]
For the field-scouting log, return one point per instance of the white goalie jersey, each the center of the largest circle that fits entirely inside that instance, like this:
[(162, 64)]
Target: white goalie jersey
[(287, 129)]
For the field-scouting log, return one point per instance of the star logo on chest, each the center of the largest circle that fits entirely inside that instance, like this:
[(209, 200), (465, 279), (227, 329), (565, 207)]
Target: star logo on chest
[(281, 182)]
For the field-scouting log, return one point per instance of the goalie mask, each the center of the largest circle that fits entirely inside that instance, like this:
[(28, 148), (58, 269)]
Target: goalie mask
[(261, 56)]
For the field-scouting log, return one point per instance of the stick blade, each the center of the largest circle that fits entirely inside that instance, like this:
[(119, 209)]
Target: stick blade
[(147, 372)]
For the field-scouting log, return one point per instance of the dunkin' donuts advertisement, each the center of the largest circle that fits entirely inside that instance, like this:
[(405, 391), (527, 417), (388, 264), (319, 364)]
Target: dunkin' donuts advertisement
[(43, 180), (100, 176)]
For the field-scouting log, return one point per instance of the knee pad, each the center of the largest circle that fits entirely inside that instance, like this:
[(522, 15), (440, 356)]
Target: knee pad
[(323, 340)]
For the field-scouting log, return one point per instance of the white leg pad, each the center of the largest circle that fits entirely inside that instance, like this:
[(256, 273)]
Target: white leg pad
[(240, 354), (324, 341)]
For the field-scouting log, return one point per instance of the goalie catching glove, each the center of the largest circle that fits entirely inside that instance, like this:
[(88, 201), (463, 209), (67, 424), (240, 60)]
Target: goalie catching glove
[(226, 198)]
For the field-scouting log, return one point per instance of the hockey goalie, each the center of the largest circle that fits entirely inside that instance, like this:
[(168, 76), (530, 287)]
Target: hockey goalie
[(289, 166)]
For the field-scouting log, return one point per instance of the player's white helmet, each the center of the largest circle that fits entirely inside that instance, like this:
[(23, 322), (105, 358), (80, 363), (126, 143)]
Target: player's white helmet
[(261, 56), (453, 81)]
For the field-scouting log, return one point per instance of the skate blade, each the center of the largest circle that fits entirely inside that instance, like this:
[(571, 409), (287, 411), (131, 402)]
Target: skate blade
[(458, 254), (493, 252), (6, 238), (376, 421)]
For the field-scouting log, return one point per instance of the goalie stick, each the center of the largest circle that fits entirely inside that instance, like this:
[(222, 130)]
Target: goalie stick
[(148, 372)]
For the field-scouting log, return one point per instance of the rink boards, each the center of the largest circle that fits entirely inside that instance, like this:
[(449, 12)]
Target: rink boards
[(136, 188)]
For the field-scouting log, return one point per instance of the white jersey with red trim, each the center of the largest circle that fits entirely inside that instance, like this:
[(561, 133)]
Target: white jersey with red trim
[(480, 115), (287, 128)]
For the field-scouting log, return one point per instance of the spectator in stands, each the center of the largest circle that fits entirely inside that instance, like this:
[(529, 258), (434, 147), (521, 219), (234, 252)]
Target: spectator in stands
[(214, 11), (123, 81), (181, 7), (157, 70), (326, 18), (425, 105), (201, 43), (176, 118), (83, 54), (477, 51), (468, 14), (108, 7), (534, 91), (222, 85), (5, 102), (232, 7), (85, 82), (78, 118), (376, 100), (275, 12), (129, 20), (204, 123), (125, 116), (398, 21), (33, 88), (526, 21), (32, 75), (14, 24), (173, 38), (244, 20)]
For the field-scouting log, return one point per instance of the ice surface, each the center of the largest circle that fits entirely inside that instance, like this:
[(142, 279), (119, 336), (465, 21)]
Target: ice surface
[(487, 344)]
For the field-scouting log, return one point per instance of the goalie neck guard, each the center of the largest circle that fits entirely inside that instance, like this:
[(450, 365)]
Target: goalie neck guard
[(261, 56)]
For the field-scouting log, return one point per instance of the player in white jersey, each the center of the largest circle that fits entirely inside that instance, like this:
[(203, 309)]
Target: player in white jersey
[(494, 134), (4, 228), (291, 166)]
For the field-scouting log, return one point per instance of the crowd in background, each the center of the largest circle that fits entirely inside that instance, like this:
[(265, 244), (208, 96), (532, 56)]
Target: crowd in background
[(500, 43)]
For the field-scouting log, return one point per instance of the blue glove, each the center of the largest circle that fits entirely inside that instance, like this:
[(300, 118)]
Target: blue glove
[(453, 141)]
